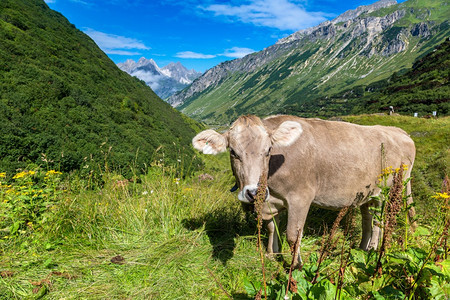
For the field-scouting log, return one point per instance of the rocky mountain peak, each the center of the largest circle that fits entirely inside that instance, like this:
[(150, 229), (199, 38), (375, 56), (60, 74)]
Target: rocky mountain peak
[(326, 28), (354, 13), (164, 81)]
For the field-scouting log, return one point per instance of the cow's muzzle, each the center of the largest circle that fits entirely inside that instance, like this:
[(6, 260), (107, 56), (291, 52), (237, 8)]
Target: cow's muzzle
[(248, 194)]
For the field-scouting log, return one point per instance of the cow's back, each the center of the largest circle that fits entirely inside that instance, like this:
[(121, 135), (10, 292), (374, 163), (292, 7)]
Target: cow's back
[(341, 162)]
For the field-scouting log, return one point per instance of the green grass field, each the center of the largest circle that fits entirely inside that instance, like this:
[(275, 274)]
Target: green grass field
[(159, 236)]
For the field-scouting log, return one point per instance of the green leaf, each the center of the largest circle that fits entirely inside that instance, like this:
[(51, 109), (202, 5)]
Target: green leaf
[(418, 253), (303, 285), (15, 226), (251, 288), (388, 292), (323, 290), (421, 231), (440, 288), (313, 258), (377, 296), (446, 268), (358, 256)]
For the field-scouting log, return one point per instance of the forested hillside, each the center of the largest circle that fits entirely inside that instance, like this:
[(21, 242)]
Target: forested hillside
[(422, 89), (63, 102)]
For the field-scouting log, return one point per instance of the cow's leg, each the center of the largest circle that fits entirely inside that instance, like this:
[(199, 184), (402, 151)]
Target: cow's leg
[(297, 213), (366, 217), (370, 228), (411, 211), (272, 245)]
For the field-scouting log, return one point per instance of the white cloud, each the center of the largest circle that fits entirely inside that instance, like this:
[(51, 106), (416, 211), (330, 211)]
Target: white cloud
[(237, 52), (75, 1), (149, 78), (81, 2), (281, 14), (122, 52), (115, 44), (190, 54)]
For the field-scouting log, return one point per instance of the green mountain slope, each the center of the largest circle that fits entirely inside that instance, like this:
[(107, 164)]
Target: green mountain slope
[(319, 62), (422, 89), (64, 102)]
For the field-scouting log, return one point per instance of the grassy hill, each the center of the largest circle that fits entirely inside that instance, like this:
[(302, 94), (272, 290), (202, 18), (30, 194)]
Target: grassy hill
[(422, 89), (166, 237), (65, 104)]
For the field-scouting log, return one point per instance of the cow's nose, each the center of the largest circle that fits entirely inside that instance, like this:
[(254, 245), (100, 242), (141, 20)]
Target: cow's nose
[(250, 194)]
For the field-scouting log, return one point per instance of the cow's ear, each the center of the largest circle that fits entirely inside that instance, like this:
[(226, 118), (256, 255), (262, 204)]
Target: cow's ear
[(287, 133), (210, 142)]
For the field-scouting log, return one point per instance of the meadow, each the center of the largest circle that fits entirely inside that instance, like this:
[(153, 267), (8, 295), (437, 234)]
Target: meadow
[(168, 235)]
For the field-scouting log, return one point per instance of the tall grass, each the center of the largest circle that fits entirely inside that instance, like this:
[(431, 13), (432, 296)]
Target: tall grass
[(174, 234)]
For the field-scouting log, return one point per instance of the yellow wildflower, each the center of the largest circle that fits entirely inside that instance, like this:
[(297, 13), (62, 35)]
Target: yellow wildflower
[(52, 172), (20, 175), (441, 195), (2, 175), (23, 174)]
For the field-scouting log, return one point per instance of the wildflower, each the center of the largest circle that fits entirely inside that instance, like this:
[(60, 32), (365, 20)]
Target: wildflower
[(20, 175), (52, 172), (387, 171), (144, 193), (441, 195), (2, 175)]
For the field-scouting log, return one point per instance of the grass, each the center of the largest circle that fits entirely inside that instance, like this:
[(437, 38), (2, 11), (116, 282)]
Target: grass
[(172, 233), (158, 236)]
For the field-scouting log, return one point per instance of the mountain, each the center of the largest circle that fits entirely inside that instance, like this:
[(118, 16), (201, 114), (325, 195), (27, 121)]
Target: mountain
[(359, 47), (66, 105), (422, 89), (164, 81)]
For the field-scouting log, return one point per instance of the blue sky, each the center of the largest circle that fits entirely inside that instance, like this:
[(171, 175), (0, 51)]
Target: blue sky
[(198, 33)]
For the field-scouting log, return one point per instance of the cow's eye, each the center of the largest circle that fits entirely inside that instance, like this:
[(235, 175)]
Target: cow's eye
[(268, 151), (233, 154)]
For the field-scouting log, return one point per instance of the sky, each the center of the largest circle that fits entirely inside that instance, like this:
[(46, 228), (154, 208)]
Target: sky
[(198, 33)]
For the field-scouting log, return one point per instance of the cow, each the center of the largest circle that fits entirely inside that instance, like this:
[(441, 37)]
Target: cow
[(329, 164)]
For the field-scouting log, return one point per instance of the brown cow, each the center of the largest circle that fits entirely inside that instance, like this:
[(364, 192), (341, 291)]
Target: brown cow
[(310, 161)]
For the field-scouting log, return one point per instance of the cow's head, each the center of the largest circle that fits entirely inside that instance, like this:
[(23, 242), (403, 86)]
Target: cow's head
[(250, 144)]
